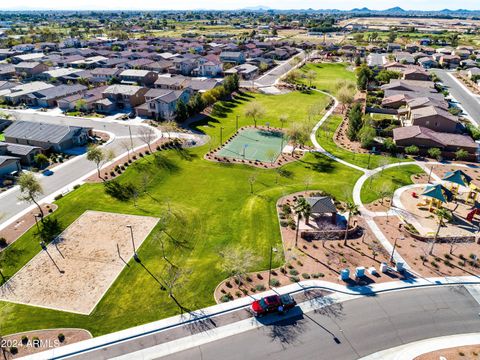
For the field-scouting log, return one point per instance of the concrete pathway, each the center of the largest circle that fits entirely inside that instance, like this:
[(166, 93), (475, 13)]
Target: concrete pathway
[(417, 348)]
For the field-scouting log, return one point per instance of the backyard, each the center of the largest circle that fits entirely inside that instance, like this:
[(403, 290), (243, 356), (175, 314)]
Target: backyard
[(207, 207)]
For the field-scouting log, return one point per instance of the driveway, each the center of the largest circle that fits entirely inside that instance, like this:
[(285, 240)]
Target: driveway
[(469, 101)]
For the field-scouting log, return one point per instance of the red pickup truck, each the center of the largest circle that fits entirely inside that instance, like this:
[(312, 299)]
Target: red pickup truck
[(272, 304)]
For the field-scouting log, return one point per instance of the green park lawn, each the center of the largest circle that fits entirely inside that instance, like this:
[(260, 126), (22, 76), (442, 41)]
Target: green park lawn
[(325, 136), (328, 76), (211, 208), (384, 183), (296, 105), (2, 137)]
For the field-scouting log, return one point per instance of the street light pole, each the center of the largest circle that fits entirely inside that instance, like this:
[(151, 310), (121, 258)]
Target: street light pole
[(272, 249), (135, 256), (131, 138), (236, 123), (221, 135), (394, 246), (36, 223)]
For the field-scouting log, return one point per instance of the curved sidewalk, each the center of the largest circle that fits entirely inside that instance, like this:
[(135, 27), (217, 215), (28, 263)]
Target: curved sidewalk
[(417, 348)]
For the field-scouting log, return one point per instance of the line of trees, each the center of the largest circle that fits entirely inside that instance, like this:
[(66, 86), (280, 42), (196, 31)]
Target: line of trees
[(198, 102)]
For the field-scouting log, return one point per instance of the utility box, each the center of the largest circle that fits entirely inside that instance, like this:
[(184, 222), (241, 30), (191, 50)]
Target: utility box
[(383, 267)]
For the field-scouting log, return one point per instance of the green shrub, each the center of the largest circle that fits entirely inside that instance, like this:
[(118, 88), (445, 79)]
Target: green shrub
[(294, 279), (226, 298), (293, 272), (275, 282), (306, 276), (260, 287)]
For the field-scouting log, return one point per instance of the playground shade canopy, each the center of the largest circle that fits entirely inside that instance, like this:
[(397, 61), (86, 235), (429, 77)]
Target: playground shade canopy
[(255, 145), (458, 177), (438, 192)]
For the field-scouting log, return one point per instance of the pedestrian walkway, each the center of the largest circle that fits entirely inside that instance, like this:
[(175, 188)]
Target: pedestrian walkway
[(412, 350)]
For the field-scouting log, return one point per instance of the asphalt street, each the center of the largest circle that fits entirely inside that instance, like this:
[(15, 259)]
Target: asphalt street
[(469, 101), (71, 171), (270, 78), (352, 329)]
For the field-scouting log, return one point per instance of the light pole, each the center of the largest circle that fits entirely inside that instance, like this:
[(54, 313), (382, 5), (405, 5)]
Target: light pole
[(131, 138), (244, 148), (394, 246), (135, 256), (369, 155), (272, 250), (221, 135), (236, 123), (36, 222)]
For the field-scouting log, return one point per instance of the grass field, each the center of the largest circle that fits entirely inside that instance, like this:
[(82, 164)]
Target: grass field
[(295, 105), (2, 137), (325, 136), (328, 76), (211, 208), (385, 183)]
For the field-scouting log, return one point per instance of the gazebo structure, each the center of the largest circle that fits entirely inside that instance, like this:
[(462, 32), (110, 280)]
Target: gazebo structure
[(323, 205), (438, 195), (457, 178)]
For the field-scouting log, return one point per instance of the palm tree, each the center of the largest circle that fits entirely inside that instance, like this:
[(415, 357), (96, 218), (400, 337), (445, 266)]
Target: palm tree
[(352, 210), (442, 215), (302, 209)]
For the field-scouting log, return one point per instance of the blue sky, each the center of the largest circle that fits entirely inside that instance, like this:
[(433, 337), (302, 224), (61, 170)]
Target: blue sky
[(236, 4)]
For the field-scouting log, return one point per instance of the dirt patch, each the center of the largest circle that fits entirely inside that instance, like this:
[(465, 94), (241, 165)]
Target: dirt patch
[(19, 227), (316, 259), (457, 353), (75, 270), (47, 339), (448, 259)]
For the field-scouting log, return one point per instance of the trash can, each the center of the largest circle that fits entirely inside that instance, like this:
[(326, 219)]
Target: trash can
[(345, 274), (399, 266), (383, 267), (360, 271)]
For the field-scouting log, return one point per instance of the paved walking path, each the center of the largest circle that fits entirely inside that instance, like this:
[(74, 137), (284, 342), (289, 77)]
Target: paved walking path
[(417, 348)]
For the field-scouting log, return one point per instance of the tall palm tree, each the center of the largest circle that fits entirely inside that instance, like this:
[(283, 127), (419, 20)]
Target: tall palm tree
[(352, 210), (442, 215), (302, 209)]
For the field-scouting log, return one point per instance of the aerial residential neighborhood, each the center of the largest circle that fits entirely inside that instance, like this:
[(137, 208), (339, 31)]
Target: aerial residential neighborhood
[(286, 180)]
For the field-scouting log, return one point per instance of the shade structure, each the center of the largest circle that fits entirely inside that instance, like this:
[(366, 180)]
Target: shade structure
[(438, 192), (458, 177)]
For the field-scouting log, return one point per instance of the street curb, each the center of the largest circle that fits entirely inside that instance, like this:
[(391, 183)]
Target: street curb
[(220, 309)]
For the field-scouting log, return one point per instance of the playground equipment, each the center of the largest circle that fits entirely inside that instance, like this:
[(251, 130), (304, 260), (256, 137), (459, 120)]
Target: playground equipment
[(472, 214), (437, 194)]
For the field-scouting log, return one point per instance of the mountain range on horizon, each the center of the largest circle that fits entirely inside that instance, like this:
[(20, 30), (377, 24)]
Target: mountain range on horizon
[(364, 10)]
